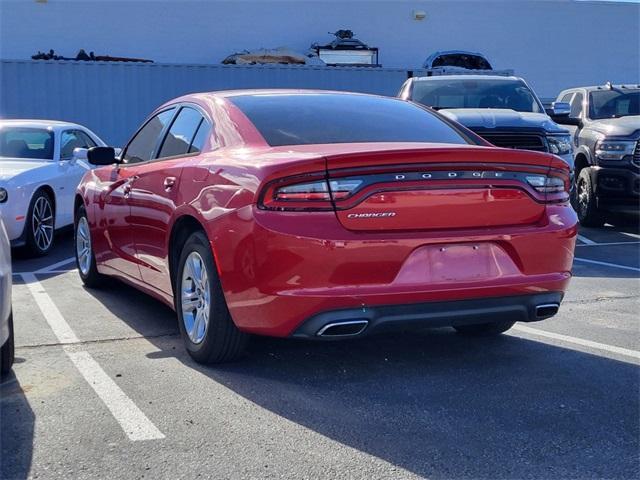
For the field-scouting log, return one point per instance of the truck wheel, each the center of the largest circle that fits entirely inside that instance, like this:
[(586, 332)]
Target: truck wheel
[(586, 204), (209, 334), (7, 352), (484, 329)]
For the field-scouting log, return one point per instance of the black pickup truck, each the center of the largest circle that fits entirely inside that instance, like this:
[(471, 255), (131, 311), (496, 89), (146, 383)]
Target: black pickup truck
[(606, 124)]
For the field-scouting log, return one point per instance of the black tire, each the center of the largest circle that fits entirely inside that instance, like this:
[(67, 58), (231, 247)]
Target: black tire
[(7, 351), (586, 205), (91, 278), (484, 329), (34, 241), (222, 341)]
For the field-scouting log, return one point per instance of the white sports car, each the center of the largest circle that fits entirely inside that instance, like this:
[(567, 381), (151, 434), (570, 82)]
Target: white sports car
[(39, 173)]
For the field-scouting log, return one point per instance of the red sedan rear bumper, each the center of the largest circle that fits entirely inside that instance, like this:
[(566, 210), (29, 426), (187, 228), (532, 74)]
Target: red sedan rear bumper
[(290, 268)]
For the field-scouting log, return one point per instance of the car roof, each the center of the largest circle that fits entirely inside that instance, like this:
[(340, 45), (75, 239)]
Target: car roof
[(593, 88), (261, 91), (465, 77), (39, 123)]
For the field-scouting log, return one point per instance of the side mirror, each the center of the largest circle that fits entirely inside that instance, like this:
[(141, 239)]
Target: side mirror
[(560, 109), (79, 154), (102, 156), (568, 121)]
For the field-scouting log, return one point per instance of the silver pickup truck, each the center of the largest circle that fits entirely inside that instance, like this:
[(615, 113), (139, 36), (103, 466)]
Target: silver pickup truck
[(500, 108)]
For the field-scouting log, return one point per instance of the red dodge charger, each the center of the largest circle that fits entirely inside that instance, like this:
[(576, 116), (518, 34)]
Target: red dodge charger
[(324, 215)]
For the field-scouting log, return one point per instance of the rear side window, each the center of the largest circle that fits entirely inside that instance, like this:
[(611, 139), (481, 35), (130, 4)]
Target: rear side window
[(303, 119), (182, 133), (567, 98), (72, 139), (142, 146), (200, 137), (576, 105)]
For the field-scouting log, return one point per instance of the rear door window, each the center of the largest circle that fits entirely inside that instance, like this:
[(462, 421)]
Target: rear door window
[(180, 137)]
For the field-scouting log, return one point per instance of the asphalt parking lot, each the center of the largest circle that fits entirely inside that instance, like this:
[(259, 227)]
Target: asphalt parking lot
[(103, 388)]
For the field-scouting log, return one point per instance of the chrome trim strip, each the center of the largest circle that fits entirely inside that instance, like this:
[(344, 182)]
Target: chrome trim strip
[(364, 324)]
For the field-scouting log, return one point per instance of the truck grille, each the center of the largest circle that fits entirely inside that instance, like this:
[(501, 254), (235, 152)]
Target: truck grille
[(636, 155), (519, 141)]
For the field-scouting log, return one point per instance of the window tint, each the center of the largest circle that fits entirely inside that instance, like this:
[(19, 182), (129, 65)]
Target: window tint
[(181, 133), (614, 103), (141, 148), (72, 139), (301, 119), (475, 93), (200, 137), (25, 142), (576, 105)]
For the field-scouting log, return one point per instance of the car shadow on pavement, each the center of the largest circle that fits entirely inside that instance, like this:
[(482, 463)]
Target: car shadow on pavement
[(17, 422), (438, 404), (444, 406)]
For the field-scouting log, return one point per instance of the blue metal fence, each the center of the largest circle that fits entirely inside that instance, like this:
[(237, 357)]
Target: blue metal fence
[(114, 98)]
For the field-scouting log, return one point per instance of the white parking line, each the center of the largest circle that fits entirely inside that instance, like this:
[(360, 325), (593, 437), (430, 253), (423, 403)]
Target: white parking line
[(56, 265), (578, 341), (585, 240), (132, 420), (629, 234), (54, 318), (607, 244), (134, 423), (607, 264)]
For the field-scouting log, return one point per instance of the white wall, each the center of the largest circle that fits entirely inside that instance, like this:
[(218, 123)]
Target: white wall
[(553, 44)]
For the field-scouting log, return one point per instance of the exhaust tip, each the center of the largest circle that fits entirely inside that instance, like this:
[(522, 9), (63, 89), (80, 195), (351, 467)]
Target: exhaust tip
[(547, 310), (343, 329)]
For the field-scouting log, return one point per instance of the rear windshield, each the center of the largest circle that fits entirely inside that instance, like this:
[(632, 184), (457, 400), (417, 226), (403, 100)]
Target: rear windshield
[(475, 93), (24, 142), (305, 119)]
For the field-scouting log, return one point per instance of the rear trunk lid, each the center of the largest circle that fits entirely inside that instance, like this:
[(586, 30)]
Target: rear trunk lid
[(436, 187)]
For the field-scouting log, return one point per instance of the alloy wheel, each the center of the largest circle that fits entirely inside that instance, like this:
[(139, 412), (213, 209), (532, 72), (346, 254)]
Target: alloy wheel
[(195, 297), (583, 197), (83, 246), (42, 223)]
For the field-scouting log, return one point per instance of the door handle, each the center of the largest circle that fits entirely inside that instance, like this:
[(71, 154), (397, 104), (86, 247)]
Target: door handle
[(169, 183), (126, 188)]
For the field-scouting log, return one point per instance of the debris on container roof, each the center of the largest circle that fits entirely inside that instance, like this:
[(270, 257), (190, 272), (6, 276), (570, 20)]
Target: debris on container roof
[(279, 55), (87, 57)]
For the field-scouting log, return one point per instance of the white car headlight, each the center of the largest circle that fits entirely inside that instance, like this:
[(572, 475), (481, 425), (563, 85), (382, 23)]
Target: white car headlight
[(3, 195), (560, 144), (614, 149)]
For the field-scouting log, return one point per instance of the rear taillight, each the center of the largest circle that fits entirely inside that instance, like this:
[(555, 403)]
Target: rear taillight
[(316, 195), (544, 184), (555, 188), (315, 191)]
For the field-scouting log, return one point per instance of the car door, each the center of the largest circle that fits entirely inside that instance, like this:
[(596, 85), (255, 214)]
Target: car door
[(70, 172), (155, 194), (114, 208)]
